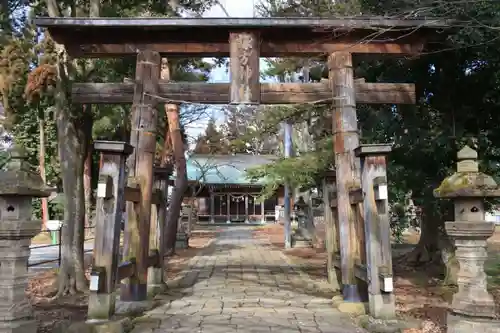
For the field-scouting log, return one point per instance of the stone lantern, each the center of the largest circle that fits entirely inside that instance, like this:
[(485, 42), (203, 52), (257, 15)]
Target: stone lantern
[(301, 237), (472, 308), (300, 209), (18, 187)]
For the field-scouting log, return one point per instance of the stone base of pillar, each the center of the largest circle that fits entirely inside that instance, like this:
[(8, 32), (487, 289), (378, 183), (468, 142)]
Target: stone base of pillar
[(228, 222), (18, 326), (382, 306), (301, 242), (246, 221), (101, 306), (483, 304), (119, 325), (155, 281), (212, 221), (182, 241), (389, 325), (461, 324)]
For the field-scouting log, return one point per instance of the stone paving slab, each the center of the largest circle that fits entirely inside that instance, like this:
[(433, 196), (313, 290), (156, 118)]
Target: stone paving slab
[(241, 285)]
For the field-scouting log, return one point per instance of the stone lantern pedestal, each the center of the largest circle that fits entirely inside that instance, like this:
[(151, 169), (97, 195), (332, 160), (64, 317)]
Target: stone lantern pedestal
[(472, 298), (18, 187), (472, 307)]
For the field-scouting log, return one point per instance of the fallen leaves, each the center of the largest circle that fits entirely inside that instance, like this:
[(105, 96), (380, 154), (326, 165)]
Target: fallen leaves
[(417, 295), (49, 312)]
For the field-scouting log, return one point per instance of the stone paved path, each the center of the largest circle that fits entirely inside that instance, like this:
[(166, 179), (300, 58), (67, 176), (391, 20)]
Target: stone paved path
[(240, 285)]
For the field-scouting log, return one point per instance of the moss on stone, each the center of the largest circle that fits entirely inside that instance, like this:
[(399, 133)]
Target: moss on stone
[(465, 184), (400, 325), (337, 300), (455, 182), (353, 309)]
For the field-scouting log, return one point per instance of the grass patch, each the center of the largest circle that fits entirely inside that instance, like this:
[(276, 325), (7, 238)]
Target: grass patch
[(43, 238), (260, 227)]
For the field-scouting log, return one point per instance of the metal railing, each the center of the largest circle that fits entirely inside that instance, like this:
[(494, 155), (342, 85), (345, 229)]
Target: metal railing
[(58, 245)]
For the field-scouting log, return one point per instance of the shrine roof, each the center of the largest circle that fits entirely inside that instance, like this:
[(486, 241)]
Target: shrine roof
[(354, 22), (93, 36), (225, 169)]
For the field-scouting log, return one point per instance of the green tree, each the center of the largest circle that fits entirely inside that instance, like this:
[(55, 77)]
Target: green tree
[(457, 84), (457, 91), (210, 142), (35, 77), (311, 138)]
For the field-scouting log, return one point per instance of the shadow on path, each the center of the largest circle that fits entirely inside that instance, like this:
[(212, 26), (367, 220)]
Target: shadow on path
[(238, 285)]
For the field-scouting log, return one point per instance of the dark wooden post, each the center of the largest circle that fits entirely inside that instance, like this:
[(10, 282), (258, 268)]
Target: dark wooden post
[(212, 206), (140, 165), (228, 204), (157, 230), (287, 194), (246, 208), (331, 232), (377, 229), (262, 212), (162, 214), (346, 139), (109, 210)]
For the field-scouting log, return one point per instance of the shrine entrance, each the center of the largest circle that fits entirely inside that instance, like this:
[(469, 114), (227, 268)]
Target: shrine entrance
[(224, 194), (357, 223), (237, 207)]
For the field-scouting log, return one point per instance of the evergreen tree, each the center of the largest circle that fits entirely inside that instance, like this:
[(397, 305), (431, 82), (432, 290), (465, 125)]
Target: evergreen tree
[(457, 91), (33, 91), (212, 141), (240, 131)]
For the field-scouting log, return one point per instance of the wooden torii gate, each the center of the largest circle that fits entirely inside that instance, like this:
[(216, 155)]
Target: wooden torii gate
[(244, 40)]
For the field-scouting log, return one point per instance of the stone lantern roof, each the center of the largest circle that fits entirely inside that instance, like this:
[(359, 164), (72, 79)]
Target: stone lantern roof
[(18, 179), (467, 181)]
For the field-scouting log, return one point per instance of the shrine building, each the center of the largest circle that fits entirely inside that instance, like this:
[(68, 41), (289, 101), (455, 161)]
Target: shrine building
[(223, 193)]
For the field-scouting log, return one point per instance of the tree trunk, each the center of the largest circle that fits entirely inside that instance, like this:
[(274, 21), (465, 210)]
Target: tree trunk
[(71, 275), (87, 186), (434, 249), (166, 160), (181, 181), (84, 209), (71, 150), (45, 205), (73, 134), (79, 230)]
